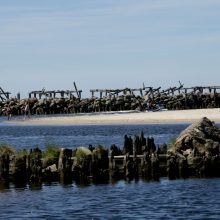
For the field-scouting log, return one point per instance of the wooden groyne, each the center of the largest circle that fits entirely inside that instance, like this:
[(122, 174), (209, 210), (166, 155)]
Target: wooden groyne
[(84, 164), (141, 99), (68, 94), (195, 153)]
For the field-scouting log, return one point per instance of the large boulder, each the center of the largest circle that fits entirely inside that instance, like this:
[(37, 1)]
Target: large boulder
[(196, 145), (202, 137)]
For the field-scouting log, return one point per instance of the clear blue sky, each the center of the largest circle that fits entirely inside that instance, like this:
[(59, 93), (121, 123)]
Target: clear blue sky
[(108, 43)]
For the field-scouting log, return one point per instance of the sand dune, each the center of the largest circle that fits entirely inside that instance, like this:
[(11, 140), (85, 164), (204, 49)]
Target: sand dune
[(179, 116)]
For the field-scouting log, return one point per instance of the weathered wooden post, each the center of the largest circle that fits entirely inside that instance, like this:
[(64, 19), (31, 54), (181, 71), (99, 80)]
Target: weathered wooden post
[(128, 167), (113, 170), (100, 164), (19, 170), (128, 145), (4, 167), (214, 95), (80, 94), (92, 93), (35, 166), (111, 157), (141, 92), (111, 104), (142, 139), (18, 96), (65, 165), (154, 167), (146, 166), (150, 144), (62, 94), (137, 145)]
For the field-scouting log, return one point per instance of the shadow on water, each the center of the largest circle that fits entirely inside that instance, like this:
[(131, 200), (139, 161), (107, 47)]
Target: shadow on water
[(4, 185), (35, 186)]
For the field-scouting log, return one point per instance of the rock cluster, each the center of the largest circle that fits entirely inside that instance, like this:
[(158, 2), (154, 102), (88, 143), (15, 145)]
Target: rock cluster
[(73, 105), (196, 152), (188, 100), (113, 103)]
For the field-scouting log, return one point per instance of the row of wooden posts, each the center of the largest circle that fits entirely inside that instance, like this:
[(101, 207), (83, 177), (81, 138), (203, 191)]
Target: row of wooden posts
[(114, 92), (28, 170), (154, 91), (139, 158)]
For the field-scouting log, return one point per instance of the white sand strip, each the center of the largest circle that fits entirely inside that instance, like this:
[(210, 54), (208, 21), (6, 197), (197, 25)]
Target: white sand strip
[(180, 116)]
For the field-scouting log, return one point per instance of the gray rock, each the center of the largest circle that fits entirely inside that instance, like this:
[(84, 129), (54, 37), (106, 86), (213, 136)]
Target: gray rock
[(52, 168), (198, 144)]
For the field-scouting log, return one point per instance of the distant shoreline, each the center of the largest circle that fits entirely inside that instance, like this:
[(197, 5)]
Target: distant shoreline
[(161, 117)]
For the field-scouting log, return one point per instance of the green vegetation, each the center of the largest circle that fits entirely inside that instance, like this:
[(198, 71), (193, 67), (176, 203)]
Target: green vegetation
[(171, 143), (82, 153), (100, 148), (51, 152), (7, 149), (22, 153), (50, 155)]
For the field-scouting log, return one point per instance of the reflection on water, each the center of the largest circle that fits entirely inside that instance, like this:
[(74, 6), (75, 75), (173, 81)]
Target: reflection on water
[(194, 198)]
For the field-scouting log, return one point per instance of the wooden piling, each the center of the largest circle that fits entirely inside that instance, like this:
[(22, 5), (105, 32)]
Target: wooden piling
[(4, 167), (65, 165)]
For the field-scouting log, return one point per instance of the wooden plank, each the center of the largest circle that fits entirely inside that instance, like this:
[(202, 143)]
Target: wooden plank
[(4, 95)]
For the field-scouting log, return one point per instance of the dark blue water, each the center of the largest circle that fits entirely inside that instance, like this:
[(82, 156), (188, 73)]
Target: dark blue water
[(178, 199), (77, 135)]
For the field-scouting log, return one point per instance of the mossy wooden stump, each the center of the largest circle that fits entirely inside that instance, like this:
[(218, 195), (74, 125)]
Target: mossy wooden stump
[(19, 170), (65, 165), (4, 167), (35, 166)]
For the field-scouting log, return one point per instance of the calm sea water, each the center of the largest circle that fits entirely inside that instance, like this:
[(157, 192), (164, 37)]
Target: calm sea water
[(77, 135), (178, 199)]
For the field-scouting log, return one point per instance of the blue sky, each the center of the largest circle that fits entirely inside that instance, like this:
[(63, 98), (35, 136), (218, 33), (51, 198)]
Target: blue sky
[(108, 44)]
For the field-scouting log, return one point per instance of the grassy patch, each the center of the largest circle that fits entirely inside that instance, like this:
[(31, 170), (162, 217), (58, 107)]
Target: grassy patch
[(171, 143), (22, 153), (83, 153), (51, 152), (7, 149)]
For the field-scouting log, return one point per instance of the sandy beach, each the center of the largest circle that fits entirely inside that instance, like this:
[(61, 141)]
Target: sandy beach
[(180, 116)]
